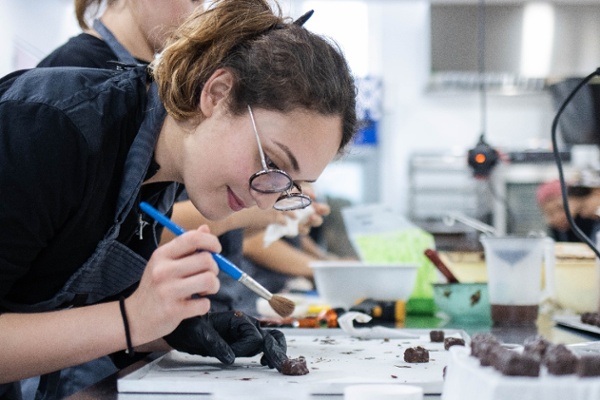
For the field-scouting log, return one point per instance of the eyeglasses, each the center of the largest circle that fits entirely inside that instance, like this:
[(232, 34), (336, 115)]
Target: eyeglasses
[(273, 180)]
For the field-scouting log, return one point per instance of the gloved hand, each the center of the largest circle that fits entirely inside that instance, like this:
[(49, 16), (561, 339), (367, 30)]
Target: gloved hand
[(227, 335)]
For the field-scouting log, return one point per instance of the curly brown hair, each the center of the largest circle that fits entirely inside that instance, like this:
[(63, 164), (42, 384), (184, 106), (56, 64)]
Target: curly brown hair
[(276, 64)]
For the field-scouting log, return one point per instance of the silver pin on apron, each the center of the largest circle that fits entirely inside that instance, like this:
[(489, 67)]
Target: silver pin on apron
[(141, 225)]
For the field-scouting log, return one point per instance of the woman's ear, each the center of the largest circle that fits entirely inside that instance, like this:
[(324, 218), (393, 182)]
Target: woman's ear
[(215, 90)]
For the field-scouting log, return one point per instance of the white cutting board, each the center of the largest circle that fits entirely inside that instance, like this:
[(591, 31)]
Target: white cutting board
[(334, 359)]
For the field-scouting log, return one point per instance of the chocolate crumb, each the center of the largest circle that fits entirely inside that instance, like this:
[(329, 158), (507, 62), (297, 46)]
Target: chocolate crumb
[(416, 355), (475, 297), (436, 336), (294, 366), (452, 341), (591, 318)]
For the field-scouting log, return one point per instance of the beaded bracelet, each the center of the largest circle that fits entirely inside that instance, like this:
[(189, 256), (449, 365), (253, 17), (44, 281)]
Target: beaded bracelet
[(129, 349)]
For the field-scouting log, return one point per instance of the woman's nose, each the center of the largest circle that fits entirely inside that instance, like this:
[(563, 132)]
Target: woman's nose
[(266, 201)]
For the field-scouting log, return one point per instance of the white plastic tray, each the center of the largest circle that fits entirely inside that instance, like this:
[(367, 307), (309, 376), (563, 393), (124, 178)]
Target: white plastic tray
[(334, 359), (574, 322), (467, 380)]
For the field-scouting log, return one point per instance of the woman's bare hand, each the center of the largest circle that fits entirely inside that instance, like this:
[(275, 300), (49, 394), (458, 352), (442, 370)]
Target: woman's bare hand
[(176, 273)]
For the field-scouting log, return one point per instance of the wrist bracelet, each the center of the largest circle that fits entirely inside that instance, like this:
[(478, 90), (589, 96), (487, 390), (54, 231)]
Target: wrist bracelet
[(129, 349)]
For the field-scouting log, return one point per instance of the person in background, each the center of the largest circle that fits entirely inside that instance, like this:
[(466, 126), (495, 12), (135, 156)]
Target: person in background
[(128, 31), (587, 202), (280, 266), (81, 273), (549, 199)]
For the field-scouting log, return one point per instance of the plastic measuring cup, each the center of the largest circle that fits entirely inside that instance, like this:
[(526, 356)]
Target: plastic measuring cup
[(514, 267)]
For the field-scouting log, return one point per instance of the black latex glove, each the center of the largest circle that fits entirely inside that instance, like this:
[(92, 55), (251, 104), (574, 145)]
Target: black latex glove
[(274, 348), (227, 335)]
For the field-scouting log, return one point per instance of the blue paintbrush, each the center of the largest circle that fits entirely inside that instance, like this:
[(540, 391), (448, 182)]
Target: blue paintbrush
[(281, 305)]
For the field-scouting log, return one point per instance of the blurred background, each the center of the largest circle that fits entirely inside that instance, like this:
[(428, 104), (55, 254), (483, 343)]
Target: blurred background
[(426, 98)]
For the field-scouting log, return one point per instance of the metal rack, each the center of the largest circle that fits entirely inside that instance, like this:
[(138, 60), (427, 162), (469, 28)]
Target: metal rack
[(440, 183)]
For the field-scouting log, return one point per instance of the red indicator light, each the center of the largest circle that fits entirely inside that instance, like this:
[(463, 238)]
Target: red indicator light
[(480, 158)]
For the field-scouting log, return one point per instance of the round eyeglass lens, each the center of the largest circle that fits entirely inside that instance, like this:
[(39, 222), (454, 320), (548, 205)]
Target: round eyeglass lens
[(271, 182), (292, 202)]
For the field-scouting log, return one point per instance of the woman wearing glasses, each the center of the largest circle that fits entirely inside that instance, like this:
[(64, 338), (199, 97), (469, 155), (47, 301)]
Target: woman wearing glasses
[(133, 32), (244, 107)]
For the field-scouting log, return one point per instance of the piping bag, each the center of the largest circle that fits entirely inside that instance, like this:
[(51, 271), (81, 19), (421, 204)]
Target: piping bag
[(346, 323)]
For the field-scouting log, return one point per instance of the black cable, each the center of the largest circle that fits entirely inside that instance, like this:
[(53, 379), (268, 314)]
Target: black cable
[(561, 176)]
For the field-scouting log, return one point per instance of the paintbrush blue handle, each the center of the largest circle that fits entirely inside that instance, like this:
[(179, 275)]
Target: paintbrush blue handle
[(161, 219), (224, 264), (227, 266)]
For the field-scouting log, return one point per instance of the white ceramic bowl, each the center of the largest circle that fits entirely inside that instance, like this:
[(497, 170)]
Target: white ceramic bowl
[(343, 283)]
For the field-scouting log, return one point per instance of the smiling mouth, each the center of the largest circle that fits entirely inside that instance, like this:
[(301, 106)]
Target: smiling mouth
[(235, 203)]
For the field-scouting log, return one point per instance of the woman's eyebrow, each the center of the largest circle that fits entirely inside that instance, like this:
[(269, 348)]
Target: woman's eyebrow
[(290, 155)]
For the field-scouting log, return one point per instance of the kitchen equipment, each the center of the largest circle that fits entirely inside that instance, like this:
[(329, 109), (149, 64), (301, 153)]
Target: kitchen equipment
[(514, 267), (467, 266), (437, 261), (344, 283), (574, 322), (466, 379), (463, 301), (383, 392), (382, 234), (577, 278), (452, 217), (382, 310)]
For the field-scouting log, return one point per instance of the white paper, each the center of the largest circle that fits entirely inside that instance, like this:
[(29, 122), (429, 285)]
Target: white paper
[(377, 332), (290, 228)]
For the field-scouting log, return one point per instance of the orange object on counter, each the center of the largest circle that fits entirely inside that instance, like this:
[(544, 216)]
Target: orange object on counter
[(325, 319)]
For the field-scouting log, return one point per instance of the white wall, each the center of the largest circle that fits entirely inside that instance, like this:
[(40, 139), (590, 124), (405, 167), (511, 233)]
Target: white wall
[(30, 29), (399, 52)]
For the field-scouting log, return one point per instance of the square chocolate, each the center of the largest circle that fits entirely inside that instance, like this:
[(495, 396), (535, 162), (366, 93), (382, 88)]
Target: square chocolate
[(588, 365), (511, 363), (416, 355), (559, 360), (436, 336)]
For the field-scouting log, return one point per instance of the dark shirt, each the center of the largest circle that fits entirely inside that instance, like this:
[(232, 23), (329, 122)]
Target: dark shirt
[(64, 135), (83, 50), (587, 226), (89, 51)]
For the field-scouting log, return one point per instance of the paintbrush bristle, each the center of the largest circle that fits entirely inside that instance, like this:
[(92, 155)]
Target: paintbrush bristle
[(282, 306)]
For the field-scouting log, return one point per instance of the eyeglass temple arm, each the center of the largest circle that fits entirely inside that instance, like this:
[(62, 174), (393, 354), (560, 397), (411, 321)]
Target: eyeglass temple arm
[(260, 150)]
